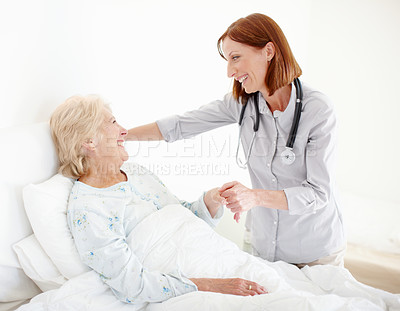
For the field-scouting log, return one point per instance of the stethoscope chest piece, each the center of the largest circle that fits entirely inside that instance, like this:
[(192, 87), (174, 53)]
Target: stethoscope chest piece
[(288, 156)]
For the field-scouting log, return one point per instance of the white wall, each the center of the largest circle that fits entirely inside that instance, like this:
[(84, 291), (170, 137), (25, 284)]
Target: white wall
[(154, 58), (354, 57)]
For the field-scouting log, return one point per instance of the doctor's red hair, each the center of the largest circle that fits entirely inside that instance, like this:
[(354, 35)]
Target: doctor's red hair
[(257, 30)]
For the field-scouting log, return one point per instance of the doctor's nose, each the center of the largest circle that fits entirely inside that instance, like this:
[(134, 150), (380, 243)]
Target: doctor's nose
[(230, 71)]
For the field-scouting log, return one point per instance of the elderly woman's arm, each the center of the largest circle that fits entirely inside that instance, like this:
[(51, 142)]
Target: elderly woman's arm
[(101, 242), (208, 207), (100, 239)]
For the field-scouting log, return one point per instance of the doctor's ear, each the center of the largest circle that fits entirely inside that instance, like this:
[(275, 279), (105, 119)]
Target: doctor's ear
[(89, 145), (270, 51)]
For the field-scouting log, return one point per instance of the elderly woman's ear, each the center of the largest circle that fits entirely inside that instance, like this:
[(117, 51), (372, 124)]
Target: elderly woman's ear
[(89, 145)]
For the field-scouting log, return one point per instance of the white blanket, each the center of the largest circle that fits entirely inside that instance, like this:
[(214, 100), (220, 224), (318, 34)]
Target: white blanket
[(174, 239)]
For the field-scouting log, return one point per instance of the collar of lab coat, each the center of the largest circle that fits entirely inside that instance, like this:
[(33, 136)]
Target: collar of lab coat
[(287, 113)]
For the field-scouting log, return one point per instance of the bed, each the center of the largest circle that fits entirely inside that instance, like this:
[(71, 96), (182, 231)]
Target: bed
[(41, 270)]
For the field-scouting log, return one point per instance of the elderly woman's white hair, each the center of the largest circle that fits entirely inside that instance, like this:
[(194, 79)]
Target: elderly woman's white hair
[(78, 120)]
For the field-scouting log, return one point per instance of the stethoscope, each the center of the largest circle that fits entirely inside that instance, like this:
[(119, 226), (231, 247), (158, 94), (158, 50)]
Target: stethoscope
[(287, 156)]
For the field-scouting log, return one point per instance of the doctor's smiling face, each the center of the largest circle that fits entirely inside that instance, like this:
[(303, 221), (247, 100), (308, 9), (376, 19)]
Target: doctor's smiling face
[(247, 64)]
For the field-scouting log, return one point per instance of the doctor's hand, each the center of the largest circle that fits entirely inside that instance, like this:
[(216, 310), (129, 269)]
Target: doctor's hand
[(234, 286), (238, 198)]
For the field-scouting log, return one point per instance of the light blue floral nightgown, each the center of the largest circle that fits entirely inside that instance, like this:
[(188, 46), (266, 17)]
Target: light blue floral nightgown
[(101, 219)]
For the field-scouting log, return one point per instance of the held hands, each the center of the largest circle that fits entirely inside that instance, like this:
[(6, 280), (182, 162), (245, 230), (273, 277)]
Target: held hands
[(234, 286), (213, 201), (238, 198), (216, 197)]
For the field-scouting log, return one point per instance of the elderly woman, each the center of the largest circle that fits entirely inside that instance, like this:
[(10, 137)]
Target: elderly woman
[(106, 203)]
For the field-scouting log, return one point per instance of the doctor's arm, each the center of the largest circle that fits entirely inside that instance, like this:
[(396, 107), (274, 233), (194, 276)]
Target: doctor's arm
[(149, 131), (315, 191), (175, 127)]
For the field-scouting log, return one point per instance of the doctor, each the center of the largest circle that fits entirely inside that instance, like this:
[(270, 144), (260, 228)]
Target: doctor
[(287, 131)]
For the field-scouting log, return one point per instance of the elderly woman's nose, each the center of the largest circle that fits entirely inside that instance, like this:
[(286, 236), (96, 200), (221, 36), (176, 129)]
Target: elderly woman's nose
[(124, 131)]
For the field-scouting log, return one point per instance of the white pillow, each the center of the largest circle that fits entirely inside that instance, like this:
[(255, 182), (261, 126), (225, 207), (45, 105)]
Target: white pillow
[(46, 207), (15, 285), (32, 160), (37, 265)]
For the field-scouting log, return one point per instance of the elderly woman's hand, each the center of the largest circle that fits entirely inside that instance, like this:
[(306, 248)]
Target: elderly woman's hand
[(235, 286), (213, 201), (216, 197)]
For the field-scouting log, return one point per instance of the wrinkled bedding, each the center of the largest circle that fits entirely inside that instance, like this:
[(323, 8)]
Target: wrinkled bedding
[(173, 239)]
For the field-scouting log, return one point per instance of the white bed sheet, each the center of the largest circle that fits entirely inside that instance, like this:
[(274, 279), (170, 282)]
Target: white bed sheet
[(174, 239)]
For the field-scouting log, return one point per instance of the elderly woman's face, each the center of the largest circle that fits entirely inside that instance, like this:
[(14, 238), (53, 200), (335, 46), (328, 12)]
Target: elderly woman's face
[(111, 143), (246, 64)]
